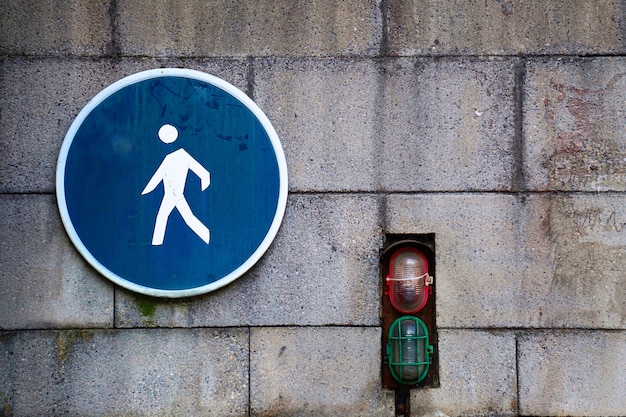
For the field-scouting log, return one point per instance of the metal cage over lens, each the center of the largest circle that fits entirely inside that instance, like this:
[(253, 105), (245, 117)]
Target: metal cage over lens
[(408, 350)]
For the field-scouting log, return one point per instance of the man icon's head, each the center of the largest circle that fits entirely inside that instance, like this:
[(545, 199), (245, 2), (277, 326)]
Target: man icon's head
[(168, 133)]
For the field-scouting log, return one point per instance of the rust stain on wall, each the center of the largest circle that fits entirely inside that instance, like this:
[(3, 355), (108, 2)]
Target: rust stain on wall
[(587, 147)]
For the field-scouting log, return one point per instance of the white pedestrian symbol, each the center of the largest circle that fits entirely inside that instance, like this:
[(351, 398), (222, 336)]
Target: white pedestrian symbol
[(173, 172)]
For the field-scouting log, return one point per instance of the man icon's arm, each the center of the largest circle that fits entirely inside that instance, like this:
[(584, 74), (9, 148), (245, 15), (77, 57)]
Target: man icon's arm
[(201, 172), (154, 181)]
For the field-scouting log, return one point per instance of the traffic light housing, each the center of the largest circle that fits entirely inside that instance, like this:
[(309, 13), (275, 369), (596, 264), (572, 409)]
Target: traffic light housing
[(409, 340)]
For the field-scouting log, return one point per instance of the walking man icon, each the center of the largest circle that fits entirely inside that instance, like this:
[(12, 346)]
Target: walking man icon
[(173, 173)]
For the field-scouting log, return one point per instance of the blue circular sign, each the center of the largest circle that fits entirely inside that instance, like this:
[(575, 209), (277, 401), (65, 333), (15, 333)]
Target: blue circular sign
[(171, 182)]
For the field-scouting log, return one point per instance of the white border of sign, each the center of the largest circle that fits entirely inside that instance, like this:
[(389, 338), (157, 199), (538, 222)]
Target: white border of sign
[(201, 76)]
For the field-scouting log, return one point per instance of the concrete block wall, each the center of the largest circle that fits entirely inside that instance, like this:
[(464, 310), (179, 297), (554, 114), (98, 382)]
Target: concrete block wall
[(497, 125)]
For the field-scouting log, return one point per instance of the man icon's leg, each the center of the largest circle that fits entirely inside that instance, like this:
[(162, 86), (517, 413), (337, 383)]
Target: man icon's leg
[(160, 225), (192, 221)]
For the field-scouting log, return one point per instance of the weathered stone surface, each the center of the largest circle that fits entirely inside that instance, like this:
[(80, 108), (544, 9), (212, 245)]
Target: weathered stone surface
[(241, 28), (574, 373), (447, 125), (45, 282), (41, 97), (477, 372), (322, 269), (537, 261), (574, 122), (326, 371), (57, 27), (505, 27), (586, 241), (324, 113), (132, 372)]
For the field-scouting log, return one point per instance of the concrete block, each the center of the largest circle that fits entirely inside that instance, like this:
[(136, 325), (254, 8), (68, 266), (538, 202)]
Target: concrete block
[(477, 372), (325, 371), (39, 100), (322, 269), (537, 261), (110, 372), (447, 125), (233, 70), (240, 28), (45, 282), (41, 97), (585, 238), (324, 112), (574, 122), (574, 373), (55, 27), (496, 27)]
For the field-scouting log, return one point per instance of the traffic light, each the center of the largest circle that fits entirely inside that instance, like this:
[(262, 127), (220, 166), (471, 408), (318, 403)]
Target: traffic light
[(408, 313)]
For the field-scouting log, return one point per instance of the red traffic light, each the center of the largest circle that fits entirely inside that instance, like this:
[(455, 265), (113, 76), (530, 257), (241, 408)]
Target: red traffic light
[(408, 282)]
